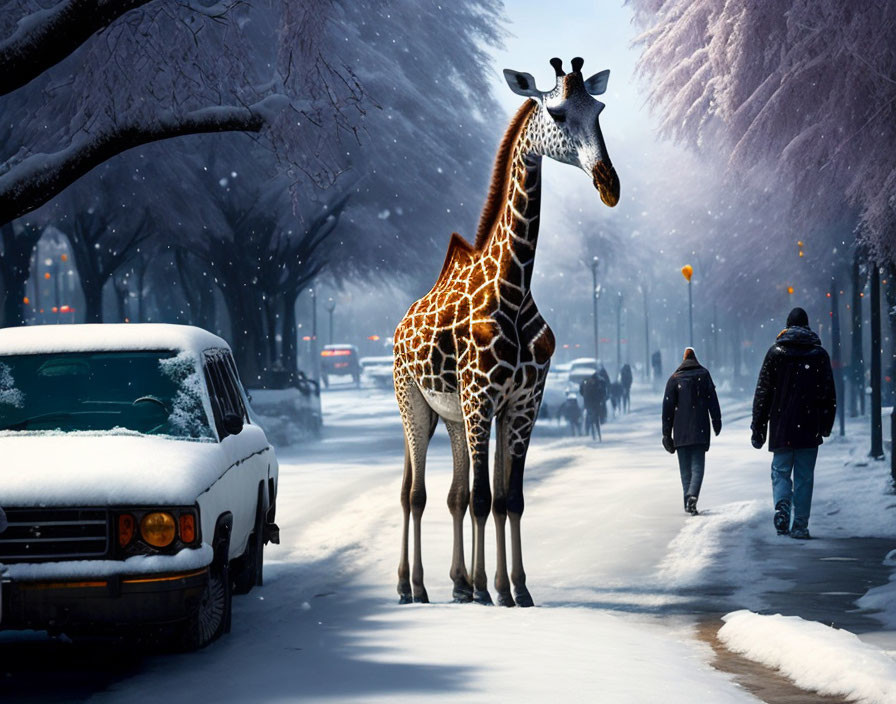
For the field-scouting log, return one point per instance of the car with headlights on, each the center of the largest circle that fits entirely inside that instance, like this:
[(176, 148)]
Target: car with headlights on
[(136, 492)]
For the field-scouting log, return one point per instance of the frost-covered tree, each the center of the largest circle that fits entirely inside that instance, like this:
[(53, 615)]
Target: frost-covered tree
[(105, 77), (806, 86)]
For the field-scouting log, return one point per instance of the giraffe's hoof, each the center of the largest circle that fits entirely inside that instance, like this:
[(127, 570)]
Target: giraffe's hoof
[(481, 596), (523, 598), (504, 599), (405, 598), (462, 595), (421, 597)]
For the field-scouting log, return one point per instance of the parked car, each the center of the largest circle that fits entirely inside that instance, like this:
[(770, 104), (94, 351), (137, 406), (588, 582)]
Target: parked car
[(339, 360), (378, 370), (134, 487)]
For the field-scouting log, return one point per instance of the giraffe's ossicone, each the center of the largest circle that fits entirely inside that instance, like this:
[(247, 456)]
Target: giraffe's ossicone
[(476, 349)]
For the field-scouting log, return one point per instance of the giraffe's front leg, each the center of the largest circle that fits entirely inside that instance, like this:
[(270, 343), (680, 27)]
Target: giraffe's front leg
[(478, 427), (500, 475), (458, 498)]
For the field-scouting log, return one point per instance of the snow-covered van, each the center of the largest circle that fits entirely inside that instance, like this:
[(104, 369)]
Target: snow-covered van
[(135, 490)]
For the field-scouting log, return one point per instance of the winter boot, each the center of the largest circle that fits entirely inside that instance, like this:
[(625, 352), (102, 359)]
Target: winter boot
[(800, 531), (690, 505), (782, 517)]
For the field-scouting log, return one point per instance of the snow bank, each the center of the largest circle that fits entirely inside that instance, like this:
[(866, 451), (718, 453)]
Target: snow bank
[(35, 339), (882, 599), (712, 547), (186, 559), (815, 657)]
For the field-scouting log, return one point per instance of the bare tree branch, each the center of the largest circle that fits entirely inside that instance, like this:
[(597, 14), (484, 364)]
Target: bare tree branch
[(45, 37), (32, 182)]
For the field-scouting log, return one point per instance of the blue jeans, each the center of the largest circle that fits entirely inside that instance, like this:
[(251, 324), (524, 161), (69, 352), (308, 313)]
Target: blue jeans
[(691, 462), (799, 490)]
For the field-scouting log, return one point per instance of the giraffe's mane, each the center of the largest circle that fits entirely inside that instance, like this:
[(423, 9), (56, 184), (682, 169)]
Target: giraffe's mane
[(494, 202)]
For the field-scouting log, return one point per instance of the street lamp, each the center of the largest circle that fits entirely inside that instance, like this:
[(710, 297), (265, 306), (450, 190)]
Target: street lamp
[(330, 306), (618, 331), (595, 295), (643, 290), (688, 271)]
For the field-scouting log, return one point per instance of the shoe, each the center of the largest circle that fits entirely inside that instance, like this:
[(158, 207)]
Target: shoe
[(800, 534), (782, 517), (691, 505)]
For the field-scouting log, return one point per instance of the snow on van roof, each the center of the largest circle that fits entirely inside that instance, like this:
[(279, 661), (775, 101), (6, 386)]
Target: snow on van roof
[(34, 339)]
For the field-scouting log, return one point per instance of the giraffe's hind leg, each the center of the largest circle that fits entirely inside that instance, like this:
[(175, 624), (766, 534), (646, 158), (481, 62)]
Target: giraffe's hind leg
[(419, 422), (520, 422), (458, 498)]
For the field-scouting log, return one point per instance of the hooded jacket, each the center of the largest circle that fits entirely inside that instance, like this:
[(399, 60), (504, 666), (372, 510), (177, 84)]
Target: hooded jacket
[(689, 403), (795, 393)]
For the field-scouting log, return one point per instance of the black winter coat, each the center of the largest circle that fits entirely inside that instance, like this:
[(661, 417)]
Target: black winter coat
[(689, 404), (795, 392)]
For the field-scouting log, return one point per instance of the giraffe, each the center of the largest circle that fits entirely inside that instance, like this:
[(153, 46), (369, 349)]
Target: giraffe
[(475, 349)]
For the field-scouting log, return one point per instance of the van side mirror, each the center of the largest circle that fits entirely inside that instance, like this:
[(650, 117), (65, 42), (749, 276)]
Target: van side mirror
[(233, 423)]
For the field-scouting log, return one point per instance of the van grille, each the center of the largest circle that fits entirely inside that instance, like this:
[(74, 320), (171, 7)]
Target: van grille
[(43, 534)]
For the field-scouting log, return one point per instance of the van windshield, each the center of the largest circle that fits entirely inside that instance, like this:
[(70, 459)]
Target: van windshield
[(156, 393)]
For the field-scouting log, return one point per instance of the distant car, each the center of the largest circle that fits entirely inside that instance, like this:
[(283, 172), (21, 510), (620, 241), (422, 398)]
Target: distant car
[(135, 490), (378, 370), (339, 360), (580, 369)]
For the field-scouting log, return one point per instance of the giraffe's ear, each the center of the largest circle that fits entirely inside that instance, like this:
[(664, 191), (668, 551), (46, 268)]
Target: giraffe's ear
[(521, 83), (597, 84)]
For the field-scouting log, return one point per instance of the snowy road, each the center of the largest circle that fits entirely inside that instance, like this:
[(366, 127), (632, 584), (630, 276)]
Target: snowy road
[(621, 575)]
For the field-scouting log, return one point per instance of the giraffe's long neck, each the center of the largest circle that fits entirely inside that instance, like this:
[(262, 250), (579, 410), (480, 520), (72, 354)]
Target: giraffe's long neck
[(508, 232)]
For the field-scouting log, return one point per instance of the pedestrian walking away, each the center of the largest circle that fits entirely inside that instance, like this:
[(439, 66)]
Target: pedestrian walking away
[(594, 396), (794, 406), (570, 411), (656, 361), (689, 404), (626, 378)]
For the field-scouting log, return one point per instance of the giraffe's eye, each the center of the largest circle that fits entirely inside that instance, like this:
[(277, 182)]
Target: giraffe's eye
[(557, 115)]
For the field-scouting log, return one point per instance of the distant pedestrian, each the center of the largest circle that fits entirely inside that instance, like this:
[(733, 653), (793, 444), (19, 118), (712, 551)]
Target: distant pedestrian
[(616, 397), (796, 402), (570, 411), (690, 402), (602, 373), (626, 378), (656, 361), (594, 395)]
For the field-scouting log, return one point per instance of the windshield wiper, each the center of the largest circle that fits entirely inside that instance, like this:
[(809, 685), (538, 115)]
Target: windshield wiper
[(23, 424)]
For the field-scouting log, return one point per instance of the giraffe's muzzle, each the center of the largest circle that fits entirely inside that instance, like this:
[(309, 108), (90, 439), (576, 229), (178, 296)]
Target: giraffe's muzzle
[(606, 182)]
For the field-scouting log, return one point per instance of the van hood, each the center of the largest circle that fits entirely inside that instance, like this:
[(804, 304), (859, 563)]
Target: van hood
[(114, 468)]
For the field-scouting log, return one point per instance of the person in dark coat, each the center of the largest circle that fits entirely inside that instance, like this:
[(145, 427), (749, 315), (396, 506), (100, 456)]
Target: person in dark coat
[(690, 402), (594, 395), (656, 361), (605, 377), (570, 411), (794, 405), (626, 378)]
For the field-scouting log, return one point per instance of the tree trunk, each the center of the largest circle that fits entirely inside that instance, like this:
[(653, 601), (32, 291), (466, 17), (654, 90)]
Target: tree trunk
[(15, 265), (856, 360), (891, 314), (877, 448), (290, 343), (837, 354), (93, 301)]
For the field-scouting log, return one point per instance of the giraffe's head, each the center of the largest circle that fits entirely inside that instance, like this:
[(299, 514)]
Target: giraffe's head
[(565, 126)]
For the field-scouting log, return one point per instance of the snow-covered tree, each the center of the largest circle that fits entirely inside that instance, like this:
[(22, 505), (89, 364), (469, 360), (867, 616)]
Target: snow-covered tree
[(806, 86)]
